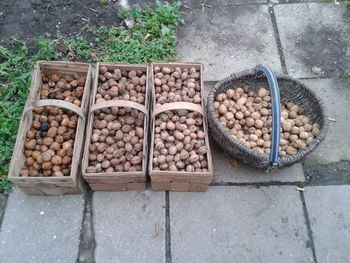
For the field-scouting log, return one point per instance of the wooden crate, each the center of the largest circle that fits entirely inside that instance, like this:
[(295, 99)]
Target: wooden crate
[(72, 184), (117, 181), (180, 181)]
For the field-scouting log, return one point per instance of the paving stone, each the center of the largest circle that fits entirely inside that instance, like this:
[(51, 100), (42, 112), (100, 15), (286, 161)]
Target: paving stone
[(224, 172), (228, 38), (336, 97), (41, 228), (294, 1), (314, 34), (328, 209), (195, 4), (129, 226), (239, 224)]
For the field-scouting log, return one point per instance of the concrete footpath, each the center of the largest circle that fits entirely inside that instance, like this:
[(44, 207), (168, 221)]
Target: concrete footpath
[(246, 216)]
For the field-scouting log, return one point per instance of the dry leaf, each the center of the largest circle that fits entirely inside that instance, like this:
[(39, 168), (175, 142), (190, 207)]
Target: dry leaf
[(234, 163)]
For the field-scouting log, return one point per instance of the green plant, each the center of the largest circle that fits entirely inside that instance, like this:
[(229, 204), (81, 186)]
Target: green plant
[(104, 2), (151, 35)]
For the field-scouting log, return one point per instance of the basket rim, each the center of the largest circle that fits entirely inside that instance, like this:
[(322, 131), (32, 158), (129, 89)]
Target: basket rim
[(263, 158)]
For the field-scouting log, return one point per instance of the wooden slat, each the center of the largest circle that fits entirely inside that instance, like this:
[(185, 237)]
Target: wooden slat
[(73, 183), (116, 181), (180, 181)]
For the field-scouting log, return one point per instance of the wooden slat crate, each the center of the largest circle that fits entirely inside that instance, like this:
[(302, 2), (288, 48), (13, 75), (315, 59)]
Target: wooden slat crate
[(116, 181), (72, 184), (178, 180)]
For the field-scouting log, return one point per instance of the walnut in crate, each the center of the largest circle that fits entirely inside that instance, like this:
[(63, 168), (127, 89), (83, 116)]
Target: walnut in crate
[(174, 84), (248, 117), (49, 143), (117, 141), (121, 84), (65, 87), (179, 142)]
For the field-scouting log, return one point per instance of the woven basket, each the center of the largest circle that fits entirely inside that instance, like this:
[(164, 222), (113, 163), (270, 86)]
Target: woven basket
[(290, 89)]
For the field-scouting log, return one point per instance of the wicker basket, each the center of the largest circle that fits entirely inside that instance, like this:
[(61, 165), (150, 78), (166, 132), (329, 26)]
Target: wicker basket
[(290, 89)]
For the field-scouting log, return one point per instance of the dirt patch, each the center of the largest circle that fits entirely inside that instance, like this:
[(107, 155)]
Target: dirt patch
[(326, 48), (50, 18), (330, 174)]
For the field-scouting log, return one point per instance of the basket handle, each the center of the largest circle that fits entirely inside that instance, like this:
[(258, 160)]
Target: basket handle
[(119, 103), (276, 114), (56, 103), (178, 106)]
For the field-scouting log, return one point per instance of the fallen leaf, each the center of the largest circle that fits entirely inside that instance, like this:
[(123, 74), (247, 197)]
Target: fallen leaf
[(129, 22), (234, 163)]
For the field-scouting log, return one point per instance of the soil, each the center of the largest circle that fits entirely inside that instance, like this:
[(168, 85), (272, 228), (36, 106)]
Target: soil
[(31, 19)]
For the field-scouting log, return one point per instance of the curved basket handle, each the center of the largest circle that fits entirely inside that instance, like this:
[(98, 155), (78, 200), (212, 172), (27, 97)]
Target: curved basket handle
[(119, 103), (276, 114), (56, 103), (178, 106)]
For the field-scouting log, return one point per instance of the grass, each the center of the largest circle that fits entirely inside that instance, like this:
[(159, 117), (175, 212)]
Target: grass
[(152, 37)]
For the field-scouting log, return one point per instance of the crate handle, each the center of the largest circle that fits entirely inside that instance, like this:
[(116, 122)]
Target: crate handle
[(119, 103), (56, 103), (178, 106), (276, 114)]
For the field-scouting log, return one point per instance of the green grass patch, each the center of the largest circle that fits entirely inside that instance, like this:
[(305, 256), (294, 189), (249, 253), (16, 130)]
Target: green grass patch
[(144, 36)]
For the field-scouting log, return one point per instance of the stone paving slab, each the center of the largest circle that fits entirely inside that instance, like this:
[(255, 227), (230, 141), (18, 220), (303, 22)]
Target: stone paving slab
[(193, 4), (336, 97), (314, 34), (228, 38), (224, 172), (328, 209), (41, 228), (129, 226), (239, 224)]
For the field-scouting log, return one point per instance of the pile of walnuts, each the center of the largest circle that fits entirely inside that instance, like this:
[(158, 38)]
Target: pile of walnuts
[(177, 85), (179, 138), (69, 88), (49, 144), (118, 136), (121, 85), (248, 117)]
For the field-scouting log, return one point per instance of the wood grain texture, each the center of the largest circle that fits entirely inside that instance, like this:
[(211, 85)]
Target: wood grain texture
[(72, 184), (180, 181), (117, 181)]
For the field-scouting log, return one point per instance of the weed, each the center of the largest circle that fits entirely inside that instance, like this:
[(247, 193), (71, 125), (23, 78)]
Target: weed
[(150, 35), (104, 2)]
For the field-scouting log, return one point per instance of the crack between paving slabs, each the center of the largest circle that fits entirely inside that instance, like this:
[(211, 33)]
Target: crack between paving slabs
[(311, 243), (87, 244), (3, 205), (168, 258), (278, 40)]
